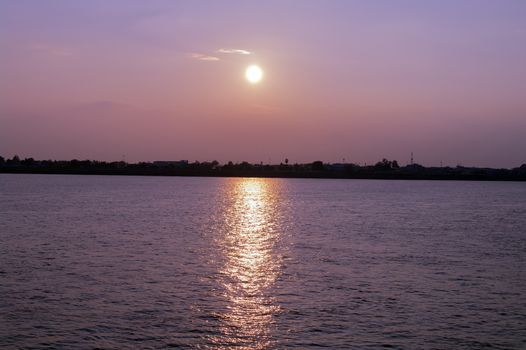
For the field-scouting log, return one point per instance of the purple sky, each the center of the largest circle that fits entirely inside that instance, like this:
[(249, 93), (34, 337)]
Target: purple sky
[(360, 80)]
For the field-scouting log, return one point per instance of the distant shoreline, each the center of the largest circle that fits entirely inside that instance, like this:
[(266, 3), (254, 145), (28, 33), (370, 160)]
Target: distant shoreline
[(383, 170), (311, 175), (280, 177)]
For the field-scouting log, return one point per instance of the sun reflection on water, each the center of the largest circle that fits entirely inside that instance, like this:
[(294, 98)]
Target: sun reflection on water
[(251, 264)]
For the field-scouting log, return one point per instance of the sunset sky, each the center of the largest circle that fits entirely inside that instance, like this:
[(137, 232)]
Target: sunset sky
[(360, 80)]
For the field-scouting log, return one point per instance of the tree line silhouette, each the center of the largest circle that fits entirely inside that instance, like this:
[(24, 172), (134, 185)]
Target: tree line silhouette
[(384, 169)]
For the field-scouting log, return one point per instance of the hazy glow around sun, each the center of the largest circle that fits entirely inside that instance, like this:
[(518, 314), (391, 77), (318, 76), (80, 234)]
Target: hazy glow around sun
[(254, 74)]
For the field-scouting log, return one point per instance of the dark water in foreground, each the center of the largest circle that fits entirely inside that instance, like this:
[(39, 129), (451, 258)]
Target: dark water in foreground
[(143, 262)]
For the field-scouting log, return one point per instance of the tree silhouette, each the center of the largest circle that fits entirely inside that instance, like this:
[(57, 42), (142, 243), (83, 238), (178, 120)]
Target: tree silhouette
[(387, 164), (317, 165)]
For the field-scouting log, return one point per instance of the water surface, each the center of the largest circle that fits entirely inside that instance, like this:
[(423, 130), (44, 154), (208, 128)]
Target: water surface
[(157, 262)]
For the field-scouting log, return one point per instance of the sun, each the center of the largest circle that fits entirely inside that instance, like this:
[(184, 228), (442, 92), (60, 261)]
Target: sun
[(254, 74)]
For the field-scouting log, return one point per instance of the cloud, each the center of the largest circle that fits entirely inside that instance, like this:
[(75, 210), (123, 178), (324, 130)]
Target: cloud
[(50, 50), (207, 57), (202, 57), (235, 51)]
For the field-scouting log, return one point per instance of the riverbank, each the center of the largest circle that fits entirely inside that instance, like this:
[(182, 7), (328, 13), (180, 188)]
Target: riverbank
[(385, 169), (385, 175)]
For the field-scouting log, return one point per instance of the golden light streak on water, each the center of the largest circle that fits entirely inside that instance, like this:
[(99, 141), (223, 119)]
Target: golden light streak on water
[(251, 265)]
